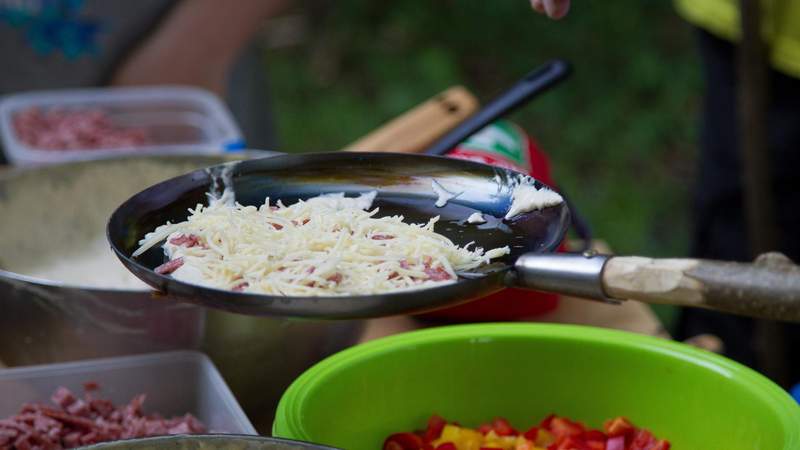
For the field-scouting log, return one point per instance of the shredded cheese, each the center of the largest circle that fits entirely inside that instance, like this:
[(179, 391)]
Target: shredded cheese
[(328, 245), (526, 198)]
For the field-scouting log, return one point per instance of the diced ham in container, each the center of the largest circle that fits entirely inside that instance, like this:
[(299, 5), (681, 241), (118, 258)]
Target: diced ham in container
[(85, 129), (74, 422)]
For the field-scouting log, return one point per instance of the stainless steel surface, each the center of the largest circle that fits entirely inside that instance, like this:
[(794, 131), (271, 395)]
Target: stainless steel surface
[(207, 442), (403, 183), (49, 212), (578, 275)]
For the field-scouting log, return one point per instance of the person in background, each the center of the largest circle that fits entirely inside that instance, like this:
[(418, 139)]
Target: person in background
[(51, 44), (720, 230)]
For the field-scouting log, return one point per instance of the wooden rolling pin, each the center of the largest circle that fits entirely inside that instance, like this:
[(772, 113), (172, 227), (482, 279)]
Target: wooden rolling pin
[(421, 126)]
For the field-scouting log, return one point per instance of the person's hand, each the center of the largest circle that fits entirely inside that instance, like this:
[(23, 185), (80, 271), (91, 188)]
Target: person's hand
[(555, 9)]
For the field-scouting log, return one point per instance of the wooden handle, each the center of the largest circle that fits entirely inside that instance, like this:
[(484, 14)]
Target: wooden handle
[(768, 288), (419, 127)]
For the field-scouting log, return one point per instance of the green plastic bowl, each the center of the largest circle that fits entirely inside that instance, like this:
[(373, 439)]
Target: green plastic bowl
[(472, 373)]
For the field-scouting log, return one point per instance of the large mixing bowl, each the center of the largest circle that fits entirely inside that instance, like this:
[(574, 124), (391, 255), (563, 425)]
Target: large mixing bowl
[(53, 216), (472, 373)]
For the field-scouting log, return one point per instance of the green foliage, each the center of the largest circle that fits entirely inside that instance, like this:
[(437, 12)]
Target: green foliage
[(620, 132)]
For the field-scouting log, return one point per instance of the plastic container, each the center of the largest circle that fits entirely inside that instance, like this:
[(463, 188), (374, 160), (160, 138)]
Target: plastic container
[(473, 373), (175, 383), (176, 119)]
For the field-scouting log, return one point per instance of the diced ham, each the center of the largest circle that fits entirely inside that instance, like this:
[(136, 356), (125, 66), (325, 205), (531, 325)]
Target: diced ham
[(169, 266), (241, 286), (59, 129), (437, 274), (63, 397), (78, 408), (382, 237), (41, 427), (335, 278), (185, 240)]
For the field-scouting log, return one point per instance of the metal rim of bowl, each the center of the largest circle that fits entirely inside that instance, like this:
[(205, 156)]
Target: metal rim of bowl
[(14, 172), (153, 441)]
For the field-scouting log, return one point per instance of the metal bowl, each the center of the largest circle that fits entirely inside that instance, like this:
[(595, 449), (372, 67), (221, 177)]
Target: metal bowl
[(207, 442), (54, 213)]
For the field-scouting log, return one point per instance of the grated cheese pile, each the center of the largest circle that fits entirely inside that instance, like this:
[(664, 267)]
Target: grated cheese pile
[(328, 245)]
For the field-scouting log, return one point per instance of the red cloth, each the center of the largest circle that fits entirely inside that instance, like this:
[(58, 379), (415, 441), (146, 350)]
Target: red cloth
[(508, 304)]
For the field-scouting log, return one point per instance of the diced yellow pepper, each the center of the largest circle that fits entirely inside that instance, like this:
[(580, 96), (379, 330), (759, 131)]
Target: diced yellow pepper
[(492, 440), (544, 438), (462, 438), (522, 444)]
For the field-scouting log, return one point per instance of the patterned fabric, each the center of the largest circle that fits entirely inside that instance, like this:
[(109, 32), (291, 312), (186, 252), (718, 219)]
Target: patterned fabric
[(53, 25), (51, 44)]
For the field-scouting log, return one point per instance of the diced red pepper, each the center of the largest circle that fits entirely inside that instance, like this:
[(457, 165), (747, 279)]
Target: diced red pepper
[(596, 445), (404, 441), (642, 440), (619, 426), (557, 433), (561, 427), (435, 426), (569, 443), (532, 433), (503, 428), (545, 423), (593, 435), (661, 445)]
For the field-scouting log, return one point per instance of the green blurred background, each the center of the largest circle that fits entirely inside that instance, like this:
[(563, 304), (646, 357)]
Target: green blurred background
[(620, 133)]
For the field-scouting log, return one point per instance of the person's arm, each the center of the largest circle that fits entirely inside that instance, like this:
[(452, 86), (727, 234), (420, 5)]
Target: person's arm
[(197, 43), (555, 9)]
